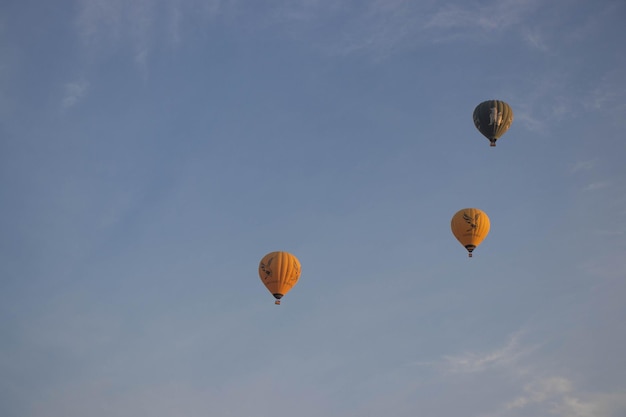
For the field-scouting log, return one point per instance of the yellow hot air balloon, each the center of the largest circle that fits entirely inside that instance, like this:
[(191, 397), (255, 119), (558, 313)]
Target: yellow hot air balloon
[(279, 272), (470, 226)]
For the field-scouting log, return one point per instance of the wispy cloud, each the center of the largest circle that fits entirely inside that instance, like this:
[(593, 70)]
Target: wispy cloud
[(373, 25), (585, 165), (380, 27), (506, 355), (141, 25), (621, 230), (531, 389), (559, 397), (105, 24), (540, 390), (543, 101), (555, 395), (74, 92), (535, 38), (584, 170), (609, 94), (609, 265), (485, 17), (596, 186)]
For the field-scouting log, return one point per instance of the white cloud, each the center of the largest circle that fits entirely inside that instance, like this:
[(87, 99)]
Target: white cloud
[(175, 23), (574, 407), (74, 92), (97, 17), (584, 165), (610, 265), (610, 405), (106, 25), (373, 25), (454, 17), (478, 362), (557, 396), (495, 15), (541, 390), (512, 371), (381, 27), (596, 186), (535, 38), (543, 102), (609, 94), (619, 231), (139, 21)]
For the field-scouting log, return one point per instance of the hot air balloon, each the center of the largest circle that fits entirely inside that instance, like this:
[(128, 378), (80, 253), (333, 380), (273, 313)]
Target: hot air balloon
[(493, 118), (279, 272), (470, 226)]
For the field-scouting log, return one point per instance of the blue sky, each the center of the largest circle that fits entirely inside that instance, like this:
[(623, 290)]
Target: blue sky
[(153, 151)]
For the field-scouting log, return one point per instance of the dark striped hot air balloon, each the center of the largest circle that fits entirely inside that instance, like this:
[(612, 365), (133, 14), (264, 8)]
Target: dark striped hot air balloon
[(493, 118)]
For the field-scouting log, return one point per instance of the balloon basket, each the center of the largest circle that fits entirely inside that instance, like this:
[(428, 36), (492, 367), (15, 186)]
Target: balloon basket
[(277, 302)]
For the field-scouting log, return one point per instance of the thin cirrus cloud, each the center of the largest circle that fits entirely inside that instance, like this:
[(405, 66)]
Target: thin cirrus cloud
[(540, 390), (370, 26), (379, 26), (585, 165), (506, 355), (74, 92), (599, 185), (105, 25), (535, 38), (139, 20), (555, 395), (492, 16), (559, 397), (534, 391), (609, 93)]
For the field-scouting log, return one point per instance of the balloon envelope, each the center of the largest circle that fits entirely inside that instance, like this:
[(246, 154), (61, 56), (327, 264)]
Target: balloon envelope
[(470, 226), (493, 118), (279, 272)]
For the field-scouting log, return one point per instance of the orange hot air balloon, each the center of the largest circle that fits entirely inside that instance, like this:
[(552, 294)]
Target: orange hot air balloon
[(470, 226), (279, 272)]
